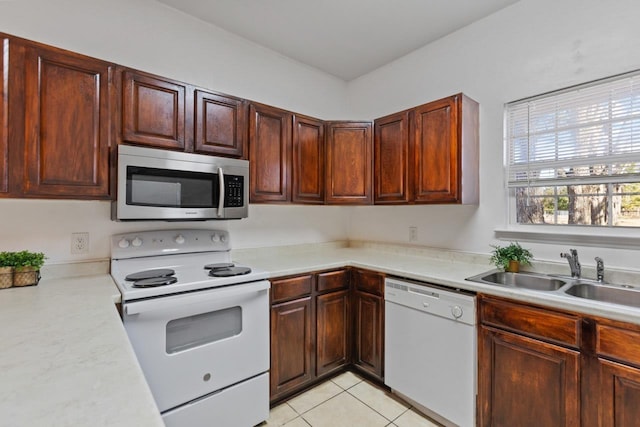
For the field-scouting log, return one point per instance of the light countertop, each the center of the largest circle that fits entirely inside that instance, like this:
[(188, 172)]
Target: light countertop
[(66, 359)]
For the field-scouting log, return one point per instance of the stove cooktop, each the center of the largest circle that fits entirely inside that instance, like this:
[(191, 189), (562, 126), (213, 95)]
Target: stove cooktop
[(183, 257)]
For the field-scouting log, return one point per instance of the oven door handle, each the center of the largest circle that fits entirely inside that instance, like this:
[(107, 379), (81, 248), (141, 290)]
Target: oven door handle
[(202, 298), (221, 193)]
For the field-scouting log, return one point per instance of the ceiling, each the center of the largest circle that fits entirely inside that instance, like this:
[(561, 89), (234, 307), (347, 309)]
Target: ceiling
[(345, 38)]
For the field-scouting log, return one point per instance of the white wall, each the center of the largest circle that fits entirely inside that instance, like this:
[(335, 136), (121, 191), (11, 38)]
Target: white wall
[(531, 47), (149, 36)]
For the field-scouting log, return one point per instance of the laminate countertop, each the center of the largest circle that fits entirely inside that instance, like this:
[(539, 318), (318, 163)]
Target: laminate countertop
[(66, 359)]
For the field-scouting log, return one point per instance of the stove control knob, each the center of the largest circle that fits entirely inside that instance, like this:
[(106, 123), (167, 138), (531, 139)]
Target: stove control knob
[(223, 238), (456, 311), (123, 243), (179, 239), (137, 242), (215, 238)]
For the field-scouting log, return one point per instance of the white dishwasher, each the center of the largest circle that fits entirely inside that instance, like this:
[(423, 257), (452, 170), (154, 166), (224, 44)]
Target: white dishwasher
[(430, 349)]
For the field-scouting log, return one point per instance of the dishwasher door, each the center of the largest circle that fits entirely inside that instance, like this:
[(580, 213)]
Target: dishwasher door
[(430, 349)]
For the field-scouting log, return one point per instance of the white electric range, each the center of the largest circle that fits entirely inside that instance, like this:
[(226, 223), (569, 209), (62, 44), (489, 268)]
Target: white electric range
[(198, 323)]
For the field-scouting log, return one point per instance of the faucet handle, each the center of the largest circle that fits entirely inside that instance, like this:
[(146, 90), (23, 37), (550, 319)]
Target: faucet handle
[(599, 269)]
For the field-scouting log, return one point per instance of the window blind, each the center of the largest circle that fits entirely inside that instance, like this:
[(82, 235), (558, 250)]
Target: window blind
[(587, 134)]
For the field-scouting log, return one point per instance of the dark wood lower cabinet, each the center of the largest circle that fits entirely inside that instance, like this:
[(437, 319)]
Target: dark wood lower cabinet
[(620, 395), (527, 383), (333, 332), (291, 346), (316, 334), (369, 333)]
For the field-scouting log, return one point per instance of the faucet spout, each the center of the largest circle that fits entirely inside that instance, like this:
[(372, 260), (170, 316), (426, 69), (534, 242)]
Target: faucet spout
[(574, 263)]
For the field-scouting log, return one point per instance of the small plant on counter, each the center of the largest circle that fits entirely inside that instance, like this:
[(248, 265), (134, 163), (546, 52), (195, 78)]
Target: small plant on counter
[(6, 269), (27, 267), (510, 257)]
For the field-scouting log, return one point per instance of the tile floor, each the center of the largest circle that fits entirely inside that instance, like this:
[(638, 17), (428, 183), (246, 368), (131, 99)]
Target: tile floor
[(346, 401)]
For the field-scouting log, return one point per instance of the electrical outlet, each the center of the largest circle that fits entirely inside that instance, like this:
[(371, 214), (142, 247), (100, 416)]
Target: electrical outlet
[(79, 243), (413, 234)]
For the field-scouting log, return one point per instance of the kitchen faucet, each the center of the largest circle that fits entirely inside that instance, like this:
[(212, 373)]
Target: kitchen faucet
[(599, 269), (574, 264)]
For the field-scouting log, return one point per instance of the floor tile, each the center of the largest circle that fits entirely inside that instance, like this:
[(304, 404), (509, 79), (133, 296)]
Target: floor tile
[(314, 397), (297, 422), (347, 380), (280, 415), (344, 410), (413, 419), (379, 400)]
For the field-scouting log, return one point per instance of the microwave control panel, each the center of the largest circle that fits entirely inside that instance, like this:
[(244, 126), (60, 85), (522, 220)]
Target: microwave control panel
[(234, 191)]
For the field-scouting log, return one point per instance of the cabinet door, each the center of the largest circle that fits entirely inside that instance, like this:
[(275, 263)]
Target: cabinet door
[(436, 152), (620, 395), (67, 124), (4, 115), (221, 125), (291, 346), (369, 333), (308, 160), (269, 154), (349, 163), (153, 111), (391, 159), (333, 332), (525, 382)]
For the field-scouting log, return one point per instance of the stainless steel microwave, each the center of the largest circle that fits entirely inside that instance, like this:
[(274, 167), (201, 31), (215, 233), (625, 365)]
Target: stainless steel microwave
[(165, 185)]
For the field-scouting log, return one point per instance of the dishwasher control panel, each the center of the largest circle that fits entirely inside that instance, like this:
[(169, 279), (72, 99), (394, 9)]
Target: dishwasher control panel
[(448, 304)]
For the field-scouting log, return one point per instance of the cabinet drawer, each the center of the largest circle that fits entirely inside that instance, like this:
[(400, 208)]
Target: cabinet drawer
[(618, 342), (294, 287), (332, 280), (532, 321), (368, 281)]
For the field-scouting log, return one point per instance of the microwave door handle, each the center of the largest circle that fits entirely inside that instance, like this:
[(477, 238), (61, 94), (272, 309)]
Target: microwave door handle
[(221, 192)]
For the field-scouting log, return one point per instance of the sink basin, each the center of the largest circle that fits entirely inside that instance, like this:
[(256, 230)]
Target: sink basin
[(629, 297), (521, 280)]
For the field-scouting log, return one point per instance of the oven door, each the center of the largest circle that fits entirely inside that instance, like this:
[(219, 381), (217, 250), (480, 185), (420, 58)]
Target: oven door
[(192, 344)]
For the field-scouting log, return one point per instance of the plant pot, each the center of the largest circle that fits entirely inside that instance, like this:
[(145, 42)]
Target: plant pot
[(6, 277), (26, 276), (514, 266)]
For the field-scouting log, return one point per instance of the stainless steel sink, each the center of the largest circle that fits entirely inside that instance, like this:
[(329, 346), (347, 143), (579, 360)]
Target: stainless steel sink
[(600, 292), (521, 280)]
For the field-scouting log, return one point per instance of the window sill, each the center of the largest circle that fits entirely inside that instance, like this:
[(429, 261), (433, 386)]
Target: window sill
[(597, 238)]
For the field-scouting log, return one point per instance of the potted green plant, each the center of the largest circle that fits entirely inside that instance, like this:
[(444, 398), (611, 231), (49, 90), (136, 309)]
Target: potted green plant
[(27, 267), (510, 257), (6, 269)]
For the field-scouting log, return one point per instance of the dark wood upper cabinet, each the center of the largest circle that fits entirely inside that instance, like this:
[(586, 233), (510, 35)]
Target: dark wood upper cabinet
[(349, 163), (68, 119), (308, 160), (220, 125), (270, 154), (4, 115), (445, 168), (391, 159), (153, 111)]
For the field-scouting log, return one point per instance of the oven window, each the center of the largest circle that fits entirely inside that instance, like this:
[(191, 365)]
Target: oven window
[(194, 331), (171, 188)]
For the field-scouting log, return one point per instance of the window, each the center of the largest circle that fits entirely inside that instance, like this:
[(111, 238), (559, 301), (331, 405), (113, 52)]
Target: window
[(573, 156)]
